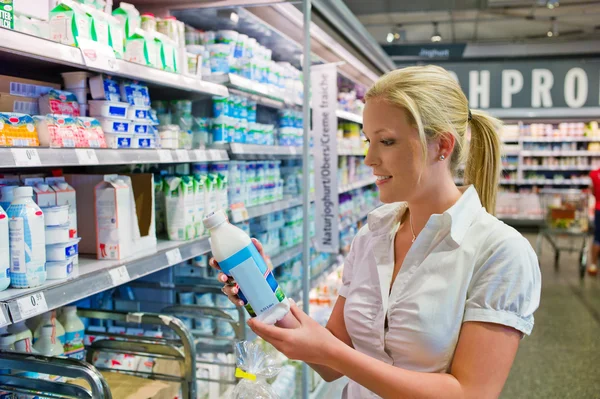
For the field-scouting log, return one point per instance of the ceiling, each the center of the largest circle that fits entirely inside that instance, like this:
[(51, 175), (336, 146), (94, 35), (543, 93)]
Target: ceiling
[(479, 21)]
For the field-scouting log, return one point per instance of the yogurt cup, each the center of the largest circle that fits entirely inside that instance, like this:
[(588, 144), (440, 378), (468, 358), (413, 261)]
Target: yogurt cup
[(102, 88), (115, 125), (171, 144), (64, 251), (141, 127), (56, 215), (59, 270), (57, 234), (75, 80), (108, 109), (138, 113), (143, 141), (81, 95), (118, 140)]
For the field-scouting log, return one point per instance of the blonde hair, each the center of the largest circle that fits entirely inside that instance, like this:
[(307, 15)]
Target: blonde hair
[(437, 106)]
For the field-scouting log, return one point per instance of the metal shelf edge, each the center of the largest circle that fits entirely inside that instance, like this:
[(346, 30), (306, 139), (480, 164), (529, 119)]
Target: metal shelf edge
[(349, 116)]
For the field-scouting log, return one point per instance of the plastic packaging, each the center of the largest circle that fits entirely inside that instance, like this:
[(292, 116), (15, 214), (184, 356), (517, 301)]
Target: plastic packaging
[(74, 333), (4, 252), (49, 318), (60, 270), (47, 344), (27, 240), (118, 140), (6, 196), (90, 133), (57, 235), (143, 141), (104, 88), (255, 366), (17, 130), (21, 331), (64, 251), (114, 125), (238, 257), (108, 109), (57, 131), (56, 215), (141, 127)]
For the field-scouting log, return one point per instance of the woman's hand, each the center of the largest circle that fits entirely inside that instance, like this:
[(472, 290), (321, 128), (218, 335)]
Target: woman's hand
[(310, 342), (231, 288)]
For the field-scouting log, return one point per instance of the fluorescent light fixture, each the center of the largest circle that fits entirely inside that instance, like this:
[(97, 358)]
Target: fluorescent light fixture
[(390, 37), (437, 37), (552, 4)]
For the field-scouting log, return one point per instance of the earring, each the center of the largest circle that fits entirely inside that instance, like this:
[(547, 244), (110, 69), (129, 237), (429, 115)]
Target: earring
[(442, 157)]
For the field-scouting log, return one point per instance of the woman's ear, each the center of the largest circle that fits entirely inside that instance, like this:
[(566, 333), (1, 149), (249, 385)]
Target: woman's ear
[(446, 145)]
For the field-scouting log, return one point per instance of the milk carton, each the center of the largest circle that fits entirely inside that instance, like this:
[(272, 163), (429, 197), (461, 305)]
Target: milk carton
[(114, 238), (4, 251), (180, 208), (43, 195), (68, 22), (199, 202), (136, 49), (65, 195), (129, 17), (99, 25), (116, 35), (7, 14)]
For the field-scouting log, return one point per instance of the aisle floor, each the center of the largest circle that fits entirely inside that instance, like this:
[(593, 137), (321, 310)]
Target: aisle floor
[(561, 359)]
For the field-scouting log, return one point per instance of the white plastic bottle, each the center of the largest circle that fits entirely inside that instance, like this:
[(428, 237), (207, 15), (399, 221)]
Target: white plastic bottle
[(47, 344), (49, 318), (238, 257), (21, 332), (6, 196), (25, 346), (7, 343), (4, 251), (74, 333), (27, 240)]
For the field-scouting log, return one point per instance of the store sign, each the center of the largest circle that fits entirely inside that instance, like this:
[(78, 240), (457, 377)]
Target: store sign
[(529, 84), (400, 52), (324, 128)]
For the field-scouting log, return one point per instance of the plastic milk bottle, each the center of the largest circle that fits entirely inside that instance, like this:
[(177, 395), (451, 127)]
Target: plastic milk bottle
[(27, 240), (238, 257), (74, 332), (4, 251)]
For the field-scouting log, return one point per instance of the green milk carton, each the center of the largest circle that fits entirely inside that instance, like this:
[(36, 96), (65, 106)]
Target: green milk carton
[(68, 22), (136, 48), (7, 15), (180, 207), (129, 17)]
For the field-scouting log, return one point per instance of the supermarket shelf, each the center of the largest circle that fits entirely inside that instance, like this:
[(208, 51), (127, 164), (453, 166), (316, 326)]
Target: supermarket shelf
[(35, 47), (259, 91), (13, 157), (349, 116), (265, 209), (509, 153), (351, 152), (558, 168), (545, 113), (315, 280), (510, 139), (358, 184), (99, 275), (286, 255), (517, 221), (582, 153), (560, 139), (253, 151), (508, 181), (345, 223), (566, 182)]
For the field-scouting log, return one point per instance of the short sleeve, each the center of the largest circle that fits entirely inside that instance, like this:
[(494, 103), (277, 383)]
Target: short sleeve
[(506, 287), (348, 271)]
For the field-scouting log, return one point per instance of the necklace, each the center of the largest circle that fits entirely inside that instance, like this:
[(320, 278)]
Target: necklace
[(411, 227)]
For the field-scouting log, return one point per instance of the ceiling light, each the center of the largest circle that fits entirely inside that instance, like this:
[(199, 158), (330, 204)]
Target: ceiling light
[(396, 36), (552, 4), (550, 34), (553, 31), (390, 37), (436, 34)]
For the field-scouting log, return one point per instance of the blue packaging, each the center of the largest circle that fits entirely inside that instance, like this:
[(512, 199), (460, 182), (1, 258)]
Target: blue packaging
[(220, 106), (135, 94)]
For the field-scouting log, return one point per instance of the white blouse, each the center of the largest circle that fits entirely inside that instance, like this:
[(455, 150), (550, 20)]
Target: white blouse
[(465, 265)]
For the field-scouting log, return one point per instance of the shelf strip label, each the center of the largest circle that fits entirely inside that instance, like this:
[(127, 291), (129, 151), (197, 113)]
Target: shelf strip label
[(86, 156), (165, 156), (3, 320), (119, 275), (26, 157), (174, 257), (182, 155), (32, 305)]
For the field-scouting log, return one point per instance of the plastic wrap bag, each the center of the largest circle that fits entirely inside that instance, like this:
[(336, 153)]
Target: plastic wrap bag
[(254, 368)]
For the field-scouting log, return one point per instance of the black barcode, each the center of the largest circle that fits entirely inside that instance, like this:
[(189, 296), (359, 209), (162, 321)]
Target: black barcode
[(24, 107), (27, 90)]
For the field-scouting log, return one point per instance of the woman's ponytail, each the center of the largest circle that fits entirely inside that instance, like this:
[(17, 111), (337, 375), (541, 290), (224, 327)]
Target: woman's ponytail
[(484, 165)]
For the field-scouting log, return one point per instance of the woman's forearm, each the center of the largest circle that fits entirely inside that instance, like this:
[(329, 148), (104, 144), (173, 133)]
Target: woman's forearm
[(389, 381), (327, 373)]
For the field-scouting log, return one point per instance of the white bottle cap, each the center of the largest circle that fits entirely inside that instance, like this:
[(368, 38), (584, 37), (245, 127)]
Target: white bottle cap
[(23, 345), (23, 192), (7, 339), (214, 219)]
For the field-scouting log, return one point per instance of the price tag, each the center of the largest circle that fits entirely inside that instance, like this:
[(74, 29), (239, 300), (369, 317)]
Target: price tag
[(86, 156), (119, 276), (165, 156), (3, 321), (70, 54), (32, 305), (214, 155), (26, 157), (98, 55), (200, 155), (174, 257), (182, 155)]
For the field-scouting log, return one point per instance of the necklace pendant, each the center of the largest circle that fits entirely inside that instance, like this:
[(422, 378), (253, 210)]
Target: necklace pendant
[(414, 238)]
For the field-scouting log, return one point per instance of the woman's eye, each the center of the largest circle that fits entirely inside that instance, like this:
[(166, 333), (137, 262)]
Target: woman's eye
[(387, 143), (367, 141)]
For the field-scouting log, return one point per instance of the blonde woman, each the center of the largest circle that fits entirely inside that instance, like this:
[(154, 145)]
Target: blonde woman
[(437, 293)]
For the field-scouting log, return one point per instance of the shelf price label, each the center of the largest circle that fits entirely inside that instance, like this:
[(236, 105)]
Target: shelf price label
[(26, 157), (200, 155), (86, 156), (98, 55), (182, 155), (32, 305), (3, 320), (119, 275), (174, 257), (214, 155), (165, 156)]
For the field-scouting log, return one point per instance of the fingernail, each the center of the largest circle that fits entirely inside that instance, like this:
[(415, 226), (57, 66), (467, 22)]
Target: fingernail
[(224, 278), (234, 290), (241, 303)]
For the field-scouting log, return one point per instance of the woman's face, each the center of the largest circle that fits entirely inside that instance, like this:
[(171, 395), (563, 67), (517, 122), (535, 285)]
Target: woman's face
[(395, 153)]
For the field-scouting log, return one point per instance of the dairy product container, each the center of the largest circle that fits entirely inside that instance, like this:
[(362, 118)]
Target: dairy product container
[(68, 22), (27, 240), (115, 125), (199, 200), (129, 17), (49, 319), (114, 218), (136, 49), (17, 130), (64, 251), (99, 26), (83, 109), (141, 127), (82, 96), (143, 141), (103, 87), (108, 109), (65, 195), (47, 344), (57, 235), (26, 346), (116, 34), (238, 257), (134, 94), (60, 269), (56, 215), (138, 113), (7, 342), (75, 80), (148, 22), (119, 140), (186, 298), (21, 331), (74, 333), (4, 251), (6, 196), (57, 131), (59, 102), (90, 133), (180, 208), (95, 332)]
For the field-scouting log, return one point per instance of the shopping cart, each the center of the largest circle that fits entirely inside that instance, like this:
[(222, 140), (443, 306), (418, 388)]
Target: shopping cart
[(566, 221)]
